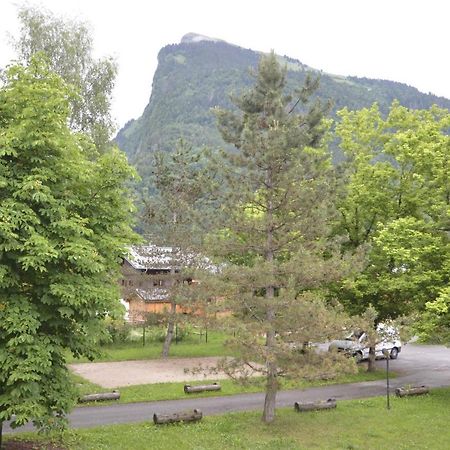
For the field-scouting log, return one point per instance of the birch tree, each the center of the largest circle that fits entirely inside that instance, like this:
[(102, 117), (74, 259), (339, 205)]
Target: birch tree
[(68, 46)]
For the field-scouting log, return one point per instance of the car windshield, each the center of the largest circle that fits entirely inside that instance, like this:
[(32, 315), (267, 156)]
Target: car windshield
[(354, 335)]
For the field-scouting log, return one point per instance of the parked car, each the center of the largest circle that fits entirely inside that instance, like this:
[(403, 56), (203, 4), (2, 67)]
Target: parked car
[(356, 344)]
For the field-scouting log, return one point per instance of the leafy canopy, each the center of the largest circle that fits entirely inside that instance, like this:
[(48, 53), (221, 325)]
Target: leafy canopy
[(68, 46), (64, 223), (397, 203)]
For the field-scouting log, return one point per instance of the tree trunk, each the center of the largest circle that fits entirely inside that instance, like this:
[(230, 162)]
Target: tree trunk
[(271, 380), (404, 391), (170, 329), (371, 363), (102, 396), (315, 406), (271, 393), (183, 416), (1, 433), (188, 389), (173, 312)]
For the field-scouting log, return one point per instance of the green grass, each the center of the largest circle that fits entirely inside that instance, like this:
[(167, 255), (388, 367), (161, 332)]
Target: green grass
[(174, 391), (190, 347), (411, 423)]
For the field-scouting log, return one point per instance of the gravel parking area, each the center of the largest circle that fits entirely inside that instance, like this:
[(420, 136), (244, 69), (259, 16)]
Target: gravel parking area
[(128, 373)]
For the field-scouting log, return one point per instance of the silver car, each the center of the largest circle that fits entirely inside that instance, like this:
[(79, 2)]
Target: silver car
[(356, 344)]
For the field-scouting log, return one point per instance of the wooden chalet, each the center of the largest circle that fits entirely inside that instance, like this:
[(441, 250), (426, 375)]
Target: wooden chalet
[(145, 278)]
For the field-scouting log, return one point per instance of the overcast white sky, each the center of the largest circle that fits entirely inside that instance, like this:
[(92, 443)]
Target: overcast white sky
[(400, 40)]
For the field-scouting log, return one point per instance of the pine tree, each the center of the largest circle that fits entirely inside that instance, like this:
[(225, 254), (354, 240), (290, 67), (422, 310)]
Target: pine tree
[(176, 219), (275, 209)]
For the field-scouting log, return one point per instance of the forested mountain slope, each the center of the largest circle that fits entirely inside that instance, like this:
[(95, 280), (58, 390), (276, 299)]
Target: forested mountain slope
[(200, 73)]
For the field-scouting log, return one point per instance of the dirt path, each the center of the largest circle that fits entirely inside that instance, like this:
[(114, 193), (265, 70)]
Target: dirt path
[(128, 373)]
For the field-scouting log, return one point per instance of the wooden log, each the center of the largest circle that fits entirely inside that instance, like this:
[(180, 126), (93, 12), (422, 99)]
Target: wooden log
[(404, 391), (188, 389), (314, 406), (183, 416), (103, 396)]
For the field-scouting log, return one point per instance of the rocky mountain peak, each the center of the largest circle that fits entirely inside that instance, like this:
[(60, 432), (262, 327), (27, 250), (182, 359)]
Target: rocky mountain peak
[(192, 38)]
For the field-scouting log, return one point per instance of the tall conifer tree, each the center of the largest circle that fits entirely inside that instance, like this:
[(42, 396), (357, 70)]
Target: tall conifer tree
[(276, 206), (174, 216)]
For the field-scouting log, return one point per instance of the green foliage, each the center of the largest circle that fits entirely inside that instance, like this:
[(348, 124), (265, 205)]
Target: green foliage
[(68, 46), (174, 212), (435, 323), (396, 204), (276, 205), (174, 218), (64, 223), (118, 331)]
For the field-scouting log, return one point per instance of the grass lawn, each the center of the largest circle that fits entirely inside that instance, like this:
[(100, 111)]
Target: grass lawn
[(173, 391), (191, 346), (411, 423)]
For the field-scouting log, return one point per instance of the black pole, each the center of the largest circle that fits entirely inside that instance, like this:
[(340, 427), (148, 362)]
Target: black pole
[(206, 335), (1, 432), (387, 383), (143, 336), (176, 333)]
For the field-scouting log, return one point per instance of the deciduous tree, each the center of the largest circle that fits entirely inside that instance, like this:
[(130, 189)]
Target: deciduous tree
[(64, 224), (68, 46), (396, 203)]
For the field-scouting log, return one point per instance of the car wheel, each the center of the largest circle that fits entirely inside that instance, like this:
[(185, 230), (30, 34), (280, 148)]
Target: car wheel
[(394, 353), (358, 357)]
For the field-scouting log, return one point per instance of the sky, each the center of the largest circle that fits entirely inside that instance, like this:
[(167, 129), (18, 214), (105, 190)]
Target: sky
[(399, 40)]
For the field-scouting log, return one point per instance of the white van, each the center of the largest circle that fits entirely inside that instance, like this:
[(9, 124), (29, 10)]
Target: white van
[(356, 345)]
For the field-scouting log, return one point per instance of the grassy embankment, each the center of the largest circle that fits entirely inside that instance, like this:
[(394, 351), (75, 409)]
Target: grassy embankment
[(411, 423)]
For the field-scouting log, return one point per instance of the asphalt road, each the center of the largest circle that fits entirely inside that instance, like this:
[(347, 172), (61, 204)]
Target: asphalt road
[(417, 364)]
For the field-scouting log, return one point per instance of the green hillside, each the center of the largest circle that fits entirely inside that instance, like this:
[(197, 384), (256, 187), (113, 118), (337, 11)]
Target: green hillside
[(198, 74)]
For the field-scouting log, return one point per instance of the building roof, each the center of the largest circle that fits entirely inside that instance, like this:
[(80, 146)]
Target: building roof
[(152, 295), (150, 257), (144, 257)]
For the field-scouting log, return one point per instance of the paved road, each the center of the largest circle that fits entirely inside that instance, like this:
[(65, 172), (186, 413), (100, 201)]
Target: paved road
[(417, 364)]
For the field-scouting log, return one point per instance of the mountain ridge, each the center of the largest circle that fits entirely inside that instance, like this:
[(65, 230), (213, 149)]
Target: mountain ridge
[(200, 73)]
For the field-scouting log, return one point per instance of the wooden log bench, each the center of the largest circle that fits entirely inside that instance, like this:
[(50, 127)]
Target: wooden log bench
[(188, 389), (183, 416), (315, 406), (101, 397), (404, 391)]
